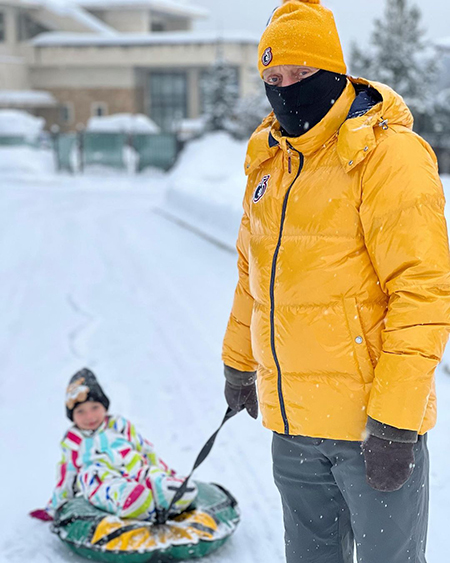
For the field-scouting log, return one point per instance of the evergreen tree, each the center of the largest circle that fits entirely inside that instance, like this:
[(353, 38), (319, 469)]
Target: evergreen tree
[(398, 57), (221, 91)]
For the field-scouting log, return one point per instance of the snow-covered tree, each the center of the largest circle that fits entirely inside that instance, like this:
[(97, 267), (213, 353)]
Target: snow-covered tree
[(221, 92), (399, 56), (248, 114)]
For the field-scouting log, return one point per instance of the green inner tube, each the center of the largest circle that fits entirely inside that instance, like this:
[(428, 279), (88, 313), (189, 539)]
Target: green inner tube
[(99, 536)]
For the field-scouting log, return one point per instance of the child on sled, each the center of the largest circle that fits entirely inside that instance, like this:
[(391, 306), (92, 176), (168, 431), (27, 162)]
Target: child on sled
[(108, 462)]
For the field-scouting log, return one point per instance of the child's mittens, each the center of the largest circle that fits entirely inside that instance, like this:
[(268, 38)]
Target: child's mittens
[(165, 486), (41, 514)]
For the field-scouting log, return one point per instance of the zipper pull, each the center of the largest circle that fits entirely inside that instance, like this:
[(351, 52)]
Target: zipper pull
[(289, 161)]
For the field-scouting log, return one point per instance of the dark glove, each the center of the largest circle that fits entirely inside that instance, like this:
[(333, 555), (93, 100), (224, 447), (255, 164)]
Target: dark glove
[(242, 397), (388, 464)]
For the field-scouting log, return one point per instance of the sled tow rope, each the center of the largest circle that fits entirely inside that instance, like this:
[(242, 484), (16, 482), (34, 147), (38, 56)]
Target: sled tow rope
[(162, 515)]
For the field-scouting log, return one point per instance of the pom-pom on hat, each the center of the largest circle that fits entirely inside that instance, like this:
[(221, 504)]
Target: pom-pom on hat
[(83, 386), (301, 32)]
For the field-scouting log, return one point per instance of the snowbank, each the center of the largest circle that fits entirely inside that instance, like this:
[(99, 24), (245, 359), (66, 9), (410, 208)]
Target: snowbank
[(207, 185), (25, 161), (20, 123), (123, 123)]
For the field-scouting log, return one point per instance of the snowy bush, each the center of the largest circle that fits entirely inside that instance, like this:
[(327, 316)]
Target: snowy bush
[(123, 123), (248, 114), (18, 123), (442, 115)]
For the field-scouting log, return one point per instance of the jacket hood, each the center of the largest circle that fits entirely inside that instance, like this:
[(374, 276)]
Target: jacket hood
[(357, 126)]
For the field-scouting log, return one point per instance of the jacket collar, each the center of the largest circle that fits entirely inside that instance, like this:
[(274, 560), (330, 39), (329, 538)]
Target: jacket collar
[(346, 121), (321, 133), (359, 135)]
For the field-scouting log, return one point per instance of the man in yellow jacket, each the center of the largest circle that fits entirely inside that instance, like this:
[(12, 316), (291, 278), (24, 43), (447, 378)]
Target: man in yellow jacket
[(342, 309)]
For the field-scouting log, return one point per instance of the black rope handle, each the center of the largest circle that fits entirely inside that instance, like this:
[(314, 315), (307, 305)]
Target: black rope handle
[(162, 515)]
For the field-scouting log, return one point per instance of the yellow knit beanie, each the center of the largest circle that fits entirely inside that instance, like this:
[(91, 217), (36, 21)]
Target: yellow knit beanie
[(302, 32)]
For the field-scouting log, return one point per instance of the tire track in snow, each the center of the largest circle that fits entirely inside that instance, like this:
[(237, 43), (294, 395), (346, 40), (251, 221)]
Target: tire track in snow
[(78, 337), (154, 278), (195, 230)]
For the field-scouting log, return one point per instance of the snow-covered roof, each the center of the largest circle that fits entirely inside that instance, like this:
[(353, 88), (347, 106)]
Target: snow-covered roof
[(127, 39), (123, 123), (175, 7), (67, 9), (26, 98)]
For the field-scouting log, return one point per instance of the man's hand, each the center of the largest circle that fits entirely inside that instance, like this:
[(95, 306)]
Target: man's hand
[(242, 397), (388, 464)]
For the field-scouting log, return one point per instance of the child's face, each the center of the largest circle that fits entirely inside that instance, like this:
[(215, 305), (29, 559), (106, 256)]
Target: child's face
[(89, 415)]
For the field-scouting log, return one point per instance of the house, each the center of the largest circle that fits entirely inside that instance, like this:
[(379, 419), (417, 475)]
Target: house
[(73, 59)]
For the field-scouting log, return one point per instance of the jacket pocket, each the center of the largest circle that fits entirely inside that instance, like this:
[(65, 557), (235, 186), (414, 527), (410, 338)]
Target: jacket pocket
[(360, 349)]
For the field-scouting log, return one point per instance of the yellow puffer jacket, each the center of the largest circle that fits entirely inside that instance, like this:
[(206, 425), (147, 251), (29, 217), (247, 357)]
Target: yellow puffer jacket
[(343, 299)]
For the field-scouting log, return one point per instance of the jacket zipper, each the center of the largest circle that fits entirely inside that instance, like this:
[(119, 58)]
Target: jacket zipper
[(272, 289)]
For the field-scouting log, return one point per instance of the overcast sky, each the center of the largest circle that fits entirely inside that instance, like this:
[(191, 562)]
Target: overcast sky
[(353, 17)]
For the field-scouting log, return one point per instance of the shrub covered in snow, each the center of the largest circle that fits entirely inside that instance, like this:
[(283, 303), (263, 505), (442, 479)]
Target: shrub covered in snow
[(18, 123), (123, 123), (248, 114)]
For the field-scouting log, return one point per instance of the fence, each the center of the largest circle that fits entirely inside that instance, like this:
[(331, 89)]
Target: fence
[(17, 140), (75, 151)]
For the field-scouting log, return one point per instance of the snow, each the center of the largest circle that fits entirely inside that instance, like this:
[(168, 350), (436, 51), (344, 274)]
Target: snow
[(25, 161), (20, 123), (443, 43), (207, 185), (33, 98), (137, 39), (70, 9), (92, 275), (123, 123), (175, 7)]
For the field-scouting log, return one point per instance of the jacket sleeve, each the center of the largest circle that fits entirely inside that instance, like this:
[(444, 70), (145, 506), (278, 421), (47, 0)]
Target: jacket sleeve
[(66, 480), (141, 445), (237, 348), (402, 214)]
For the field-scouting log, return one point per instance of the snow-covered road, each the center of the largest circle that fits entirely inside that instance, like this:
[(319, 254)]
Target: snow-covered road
[(96, 278), (91, 276)]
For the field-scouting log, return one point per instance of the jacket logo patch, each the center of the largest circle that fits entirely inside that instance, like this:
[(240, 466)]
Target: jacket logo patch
[(261, 189), (267, 57)]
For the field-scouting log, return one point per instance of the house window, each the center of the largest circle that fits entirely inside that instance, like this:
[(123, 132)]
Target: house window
[(157, 26), (27, 28), (168, 99), (2, 27), (67, 113), (99, 109)]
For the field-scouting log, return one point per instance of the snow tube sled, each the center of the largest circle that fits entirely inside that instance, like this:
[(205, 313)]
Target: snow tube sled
[(96, 535)]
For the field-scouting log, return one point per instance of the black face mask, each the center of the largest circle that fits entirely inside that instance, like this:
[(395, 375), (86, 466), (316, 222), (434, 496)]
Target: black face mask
[(302, 105)]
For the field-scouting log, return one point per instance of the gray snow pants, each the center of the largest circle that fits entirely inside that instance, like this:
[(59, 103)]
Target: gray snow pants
[(328, 505)]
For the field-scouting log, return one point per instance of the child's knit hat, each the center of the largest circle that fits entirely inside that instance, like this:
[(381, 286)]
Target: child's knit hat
[(302, 32), (83, 386)]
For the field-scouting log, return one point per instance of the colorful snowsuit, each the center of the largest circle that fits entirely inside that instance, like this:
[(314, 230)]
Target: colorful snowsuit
[(116, 470)]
